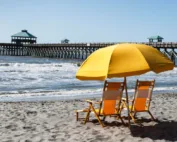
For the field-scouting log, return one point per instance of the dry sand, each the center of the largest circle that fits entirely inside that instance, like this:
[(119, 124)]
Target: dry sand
[(55, 121)]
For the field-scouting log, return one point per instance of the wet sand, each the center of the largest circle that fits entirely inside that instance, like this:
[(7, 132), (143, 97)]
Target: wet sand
[(56, 121)]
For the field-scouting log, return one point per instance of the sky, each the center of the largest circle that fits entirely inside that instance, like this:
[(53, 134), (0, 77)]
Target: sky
[(83, 21)]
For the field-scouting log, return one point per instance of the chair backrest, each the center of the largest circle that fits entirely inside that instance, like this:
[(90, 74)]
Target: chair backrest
[(112, 94), (143, 93)]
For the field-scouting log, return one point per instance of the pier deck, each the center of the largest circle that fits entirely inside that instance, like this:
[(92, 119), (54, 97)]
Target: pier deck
[(74, 50)]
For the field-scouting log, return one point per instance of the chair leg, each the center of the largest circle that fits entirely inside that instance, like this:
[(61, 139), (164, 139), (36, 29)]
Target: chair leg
[(134, 114), (97, 116), (123, 105), (77, 115), (151, 116), (120, 109), (132, 117), (121, 119), (87, 115)]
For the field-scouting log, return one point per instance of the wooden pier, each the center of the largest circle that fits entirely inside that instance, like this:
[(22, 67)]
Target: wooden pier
[(74, 51)]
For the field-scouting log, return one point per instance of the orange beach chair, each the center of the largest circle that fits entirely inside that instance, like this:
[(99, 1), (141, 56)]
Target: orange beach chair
[(142, 98), (109, 104)]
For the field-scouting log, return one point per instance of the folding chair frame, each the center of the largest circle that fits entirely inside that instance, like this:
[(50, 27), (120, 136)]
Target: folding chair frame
[(132, 111), (98, 114)]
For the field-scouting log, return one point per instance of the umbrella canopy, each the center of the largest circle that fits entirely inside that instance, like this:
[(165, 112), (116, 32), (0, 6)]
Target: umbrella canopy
[(122, 60)]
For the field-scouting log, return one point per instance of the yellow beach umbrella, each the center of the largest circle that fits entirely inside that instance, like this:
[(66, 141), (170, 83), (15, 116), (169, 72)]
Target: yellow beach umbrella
[(122, 60)]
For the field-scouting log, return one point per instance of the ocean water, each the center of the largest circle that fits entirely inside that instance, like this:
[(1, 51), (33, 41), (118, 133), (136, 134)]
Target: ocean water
[(36, 79)]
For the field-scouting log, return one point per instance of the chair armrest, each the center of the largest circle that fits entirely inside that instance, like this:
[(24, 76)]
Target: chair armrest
[(149, 99), (82, 110), (123, 99), (93, 102)]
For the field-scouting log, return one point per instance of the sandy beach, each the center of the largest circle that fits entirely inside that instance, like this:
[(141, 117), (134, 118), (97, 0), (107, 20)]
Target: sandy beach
[(55, 121)]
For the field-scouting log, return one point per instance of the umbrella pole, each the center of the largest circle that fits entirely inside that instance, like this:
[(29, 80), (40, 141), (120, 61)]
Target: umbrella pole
[(125, 81)]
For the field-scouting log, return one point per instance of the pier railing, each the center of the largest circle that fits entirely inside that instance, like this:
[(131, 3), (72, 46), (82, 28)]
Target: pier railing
[(75, 50)]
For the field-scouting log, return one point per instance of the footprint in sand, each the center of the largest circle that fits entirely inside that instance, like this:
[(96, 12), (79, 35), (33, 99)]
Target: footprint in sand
[(12, 127), (33, 113)]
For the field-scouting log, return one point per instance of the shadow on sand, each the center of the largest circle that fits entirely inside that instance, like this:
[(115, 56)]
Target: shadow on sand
[(161, 130), (146, 128)]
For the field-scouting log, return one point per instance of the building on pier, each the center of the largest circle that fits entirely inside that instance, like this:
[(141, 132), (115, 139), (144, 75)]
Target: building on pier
[(64, 41), (156, 38), (23, 37)]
